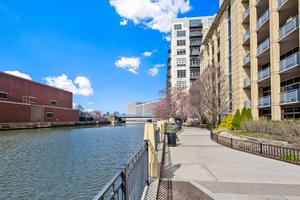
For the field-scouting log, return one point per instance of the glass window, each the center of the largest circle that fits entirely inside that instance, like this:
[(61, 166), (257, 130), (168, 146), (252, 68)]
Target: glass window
[(181, 62), (177, 26), (181, 52), (181, 73), (195, 23), (53, 102), (180, 42), (49, 114), (181, 85), (3, 95), (180, 33)]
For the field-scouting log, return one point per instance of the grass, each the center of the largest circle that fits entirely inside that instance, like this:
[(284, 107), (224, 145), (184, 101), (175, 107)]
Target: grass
[(291, 157), (258, 135)]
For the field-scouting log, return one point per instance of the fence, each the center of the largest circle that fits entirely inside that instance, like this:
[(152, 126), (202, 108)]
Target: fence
[(129, 183), (290, 155)]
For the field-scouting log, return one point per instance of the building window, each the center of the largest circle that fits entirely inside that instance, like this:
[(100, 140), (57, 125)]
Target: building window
[(181, 84), (195, 23), (53, 102), (180, 42), (177, 26), (181, 52), (181, 62), (180, 33), (3, 95), (50, 114), (181, 73)]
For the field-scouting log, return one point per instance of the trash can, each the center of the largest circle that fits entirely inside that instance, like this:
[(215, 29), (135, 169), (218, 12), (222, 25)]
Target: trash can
[(171, 134)]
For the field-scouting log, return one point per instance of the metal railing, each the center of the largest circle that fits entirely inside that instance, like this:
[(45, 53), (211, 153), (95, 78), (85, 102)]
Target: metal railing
[(281, 2), (289, 62), (129, 183), (264, 101), (291, 155), (289, 27), (247, 59), (195, 33), (246, 37), (195, 52), (262, 19), (247, 104), (194, 75), (263, 46), (195, 43), (246, 14), (263, 74), (247, 82), (290, 96)]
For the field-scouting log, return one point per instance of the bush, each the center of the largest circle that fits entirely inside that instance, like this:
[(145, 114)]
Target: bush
[(236, 122), (226, 122), (246, 115)]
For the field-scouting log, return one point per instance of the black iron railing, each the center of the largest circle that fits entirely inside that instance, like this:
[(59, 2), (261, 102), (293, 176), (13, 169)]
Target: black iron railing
[(129, 183), (291, 155)]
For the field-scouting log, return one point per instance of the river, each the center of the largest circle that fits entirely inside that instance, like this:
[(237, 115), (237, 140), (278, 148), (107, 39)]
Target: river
[(63, 163)]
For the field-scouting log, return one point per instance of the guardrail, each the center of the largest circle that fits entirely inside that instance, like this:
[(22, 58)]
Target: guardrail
[(128, 183), (289, 62), (289, 27), (291, 155)]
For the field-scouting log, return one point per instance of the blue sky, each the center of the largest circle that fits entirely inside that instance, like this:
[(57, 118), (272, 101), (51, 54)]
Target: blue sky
[(76, 45)]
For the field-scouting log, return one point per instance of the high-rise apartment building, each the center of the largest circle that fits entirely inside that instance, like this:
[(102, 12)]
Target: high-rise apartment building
[(257, 43), (184, 55)]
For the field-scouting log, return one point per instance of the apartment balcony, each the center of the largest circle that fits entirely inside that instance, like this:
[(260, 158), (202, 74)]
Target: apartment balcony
[(195, 64), (247, 60), (288, 29), (246, 16), (285, 5), (258, 2), (247, 104), (195, 43), (290, 63), (194, 75), (247, 83), (290, 97), (262, 20), (264, 74), (264, 102), (246, 38), (195, 53), (263, 47), (195, 34)]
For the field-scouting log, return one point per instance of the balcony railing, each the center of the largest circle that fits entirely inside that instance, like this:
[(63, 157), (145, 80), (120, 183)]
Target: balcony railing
[(292, 96), (195, 43), (289, 62), (246, 14), (263, 46), (247, 82), (264, 101), (264, 74), (194, 75), (281, 2), (289, 27), (247, 59), (247, 104), (195, 52), (195, 34), (262, 19), (257, 2), (246, 37), (195, 64)]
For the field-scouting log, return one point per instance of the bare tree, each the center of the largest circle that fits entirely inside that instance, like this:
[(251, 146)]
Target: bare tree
[(209, 95)]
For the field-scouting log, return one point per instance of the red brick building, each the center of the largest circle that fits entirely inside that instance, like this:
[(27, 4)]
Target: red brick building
[(23, 100)]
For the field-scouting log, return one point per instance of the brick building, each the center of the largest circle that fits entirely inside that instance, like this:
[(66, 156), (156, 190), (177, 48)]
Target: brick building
[(23, 100)]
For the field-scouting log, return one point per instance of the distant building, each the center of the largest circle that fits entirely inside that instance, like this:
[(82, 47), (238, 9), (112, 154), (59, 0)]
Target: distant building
[(23, 100), (141, 108)]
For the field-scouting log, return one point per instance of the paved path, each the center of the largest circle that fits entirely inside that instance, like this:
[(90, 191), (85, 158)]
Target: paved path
[(224, 173)]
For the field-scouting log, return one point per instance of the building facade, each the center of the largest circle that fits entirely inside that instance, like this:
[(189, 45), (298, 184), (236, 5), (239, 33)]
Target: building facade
[(141, 109), (184, 54), (23, 100), (257, 43)]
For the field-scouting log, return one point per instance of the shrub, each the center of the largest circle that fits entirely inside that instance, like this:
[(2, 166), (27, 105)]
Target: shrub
[(226, 122), (246, 114), (236, 122)]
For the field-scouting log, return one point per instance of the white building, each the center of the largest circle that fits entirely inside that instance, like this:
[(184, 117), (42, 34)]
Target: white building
[(141, 108), (186, 41)]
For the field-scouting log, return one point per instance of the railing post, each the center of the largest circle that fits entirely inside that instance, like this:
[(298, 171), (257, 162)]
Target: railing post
[(231, 143), (126, 184), (217, 138), (261, 148)]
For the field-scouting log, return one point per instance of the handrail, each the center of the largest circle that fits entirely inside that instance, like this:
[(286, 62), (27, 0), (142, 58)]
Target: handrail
[(287, 154)]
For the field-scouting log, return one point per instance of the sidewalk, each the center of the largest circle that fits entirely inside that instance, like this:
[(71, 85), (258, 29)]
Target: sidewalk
[(199, 168)]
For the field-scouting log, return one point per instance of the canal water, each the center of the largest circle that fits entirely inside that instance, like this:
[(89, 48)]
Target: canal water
[(63, 163)]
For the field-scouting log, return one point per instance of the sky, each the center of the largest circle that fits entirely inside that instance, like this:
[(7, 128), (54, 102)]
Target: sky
[(109, 53)]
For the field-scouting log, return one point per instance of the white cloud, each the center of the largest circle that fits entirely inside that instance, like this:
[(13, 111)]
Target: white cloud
[(19, 74), (154, 14), (80, 86), (167, 38), (124, 22), (147, 53), (154, 70), (132, 64)]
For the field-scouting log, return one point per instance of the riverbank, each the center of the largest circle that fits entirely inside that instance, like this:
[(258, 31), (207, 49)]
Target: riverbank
[(34, 125)]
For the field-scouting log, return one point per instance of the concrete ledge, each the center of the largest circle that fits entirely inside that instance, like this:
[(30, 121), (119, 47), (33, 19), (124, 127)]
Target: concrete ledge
[(33, 125)]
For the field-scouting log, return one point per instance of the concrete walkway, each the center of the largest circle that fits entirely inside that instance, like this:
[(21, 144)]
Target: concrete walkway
[(223, 173)]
